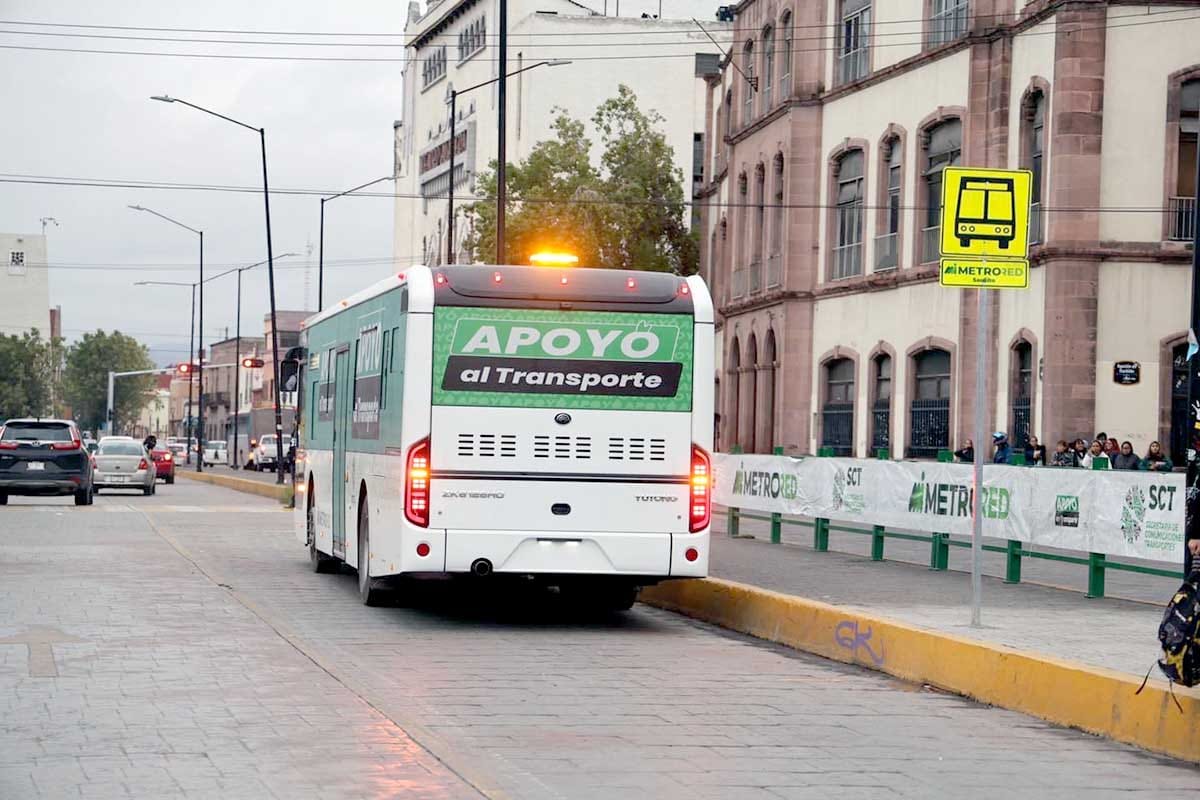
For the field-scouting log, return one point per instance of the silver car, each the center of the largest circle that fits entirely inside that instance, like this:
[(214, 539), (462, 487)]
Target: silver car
[(123, 463)]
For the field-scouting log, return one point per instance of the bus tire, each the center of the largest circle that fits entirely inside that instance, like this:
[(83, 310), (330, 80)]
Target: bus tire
[(320, 562), (368, 587), (620, 597)]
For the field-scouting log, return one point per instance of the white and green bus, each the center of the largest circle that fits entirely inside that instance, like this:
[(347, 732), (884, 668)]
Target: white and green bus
[(554, 424)]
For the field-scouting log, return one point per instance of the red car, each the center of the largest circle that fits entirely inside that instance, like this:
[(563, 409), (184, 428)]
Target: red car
[(164, 464)]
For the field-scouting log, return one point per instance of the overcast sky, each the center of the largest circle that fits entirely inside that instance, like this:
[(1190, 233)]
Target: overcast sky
[(329, 126)]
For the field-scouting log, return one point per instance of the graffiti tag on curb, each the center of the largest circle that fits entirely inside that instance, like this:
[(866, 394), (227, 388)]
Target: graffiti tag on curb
[(848, 636)]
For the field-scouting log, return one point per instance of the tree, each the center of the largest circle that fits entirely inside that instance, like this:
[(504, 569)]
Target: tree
[(628, 214), (27, 364), (86, 377)]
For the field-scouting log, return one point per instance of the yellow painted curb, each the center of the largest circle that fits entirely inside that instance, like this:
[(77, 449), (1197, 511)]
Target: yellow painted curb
[(1092, 699), (272, 490)]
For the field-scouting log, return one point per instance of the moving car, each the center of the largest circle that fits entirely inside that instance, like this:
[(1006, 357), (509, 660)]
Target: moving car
[(123, 463), (44, 457), (265, 455), (215, 453), (164, 463)]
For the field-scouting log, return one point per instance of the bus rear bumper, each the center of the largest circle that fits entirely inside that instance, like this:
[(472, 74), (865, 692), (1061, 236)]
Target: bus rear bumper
[(578, 553)]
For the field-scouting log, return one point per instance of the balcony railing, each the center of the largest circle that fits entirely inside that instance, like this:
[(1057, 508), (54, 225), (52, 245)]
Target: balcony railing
[(837, 428), (774, 270), (1035, 223), (948, 24), (1181, 219), (886, 255), (931, 244), (929, 427), (756, 276), (738, 284)]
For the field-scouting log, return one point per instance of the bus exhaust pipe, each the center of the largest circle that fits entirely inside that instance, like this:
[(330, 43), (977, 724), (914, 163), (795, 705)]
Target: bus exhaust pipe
[(481, 567)]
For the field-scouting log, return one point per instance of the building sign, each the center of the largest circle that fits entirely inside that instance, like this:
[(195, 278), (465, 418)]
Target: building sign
[(1127, 373), (440, 153), (985, 228)]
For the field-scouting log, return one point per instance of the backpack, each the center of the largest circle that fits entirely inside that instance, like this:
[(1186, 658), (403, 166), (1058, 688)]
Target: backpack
[(1179, 635)]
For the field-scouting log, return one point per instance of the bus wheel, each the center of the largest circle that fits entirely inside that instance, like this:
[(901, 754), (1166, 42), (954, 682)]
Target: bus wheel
[(368, 588), (319, 561), (619, 597)]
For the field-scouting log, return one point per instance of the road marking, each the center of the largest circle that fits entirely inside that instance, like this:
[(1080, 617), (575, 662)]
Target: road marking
[(39, 641)]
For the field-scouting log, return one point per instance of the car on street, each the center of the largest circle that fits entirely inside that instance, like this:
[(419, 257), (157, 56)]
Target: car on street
[(178, 450), (164, 463), (123, 463), (215, 453), (44, 457), (265, 455)]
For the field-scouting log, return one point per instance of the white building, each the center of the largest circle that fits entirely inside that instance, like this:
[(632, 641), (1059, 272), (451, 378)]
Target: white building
[(454, 45), (24, 284), (154, 418)]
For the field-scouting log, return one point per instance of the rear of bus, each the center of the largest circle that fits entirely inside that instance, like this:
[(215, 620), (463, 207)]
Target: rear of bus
[(570, 424)]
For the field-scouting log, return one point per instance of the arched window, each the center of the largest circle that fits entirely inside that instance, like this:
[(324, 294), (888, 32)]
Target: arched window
[(887, 244), (760, 220), (881, 407), (1034, 122), (943, 148), (1182, 202), (848, 224), (837, 412), (770, 357), (733, 409), (775, 252), (740, 250), (1179, 403), (853, 55), (727, 125), (1021, 394), (929, 410), (749, 374), (785, 60), (768, 71), (748, 83)]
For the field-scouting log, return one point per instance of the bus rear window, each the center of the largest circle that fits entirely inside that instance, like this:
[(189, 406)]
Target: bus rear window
[(484, 285)]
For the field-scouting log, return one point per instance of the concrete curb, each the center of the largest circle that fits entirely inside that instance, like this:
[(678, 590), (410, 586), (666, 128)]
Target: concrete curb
[(1092, 699), (272, 490)]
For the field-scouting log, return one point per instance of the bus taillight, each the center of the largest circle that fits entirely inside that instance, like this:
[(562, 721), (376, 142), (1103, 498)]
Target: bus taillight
[(701, 484), (416, 484)]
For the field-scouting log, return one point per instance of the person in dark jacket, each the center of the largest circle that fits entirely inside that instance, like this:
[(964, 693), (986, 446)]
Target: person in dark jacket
[(1156, 460), (1063, 456), (1126, 458), (1003, 449), (1080, 451), (966, 454), (1035, 453)]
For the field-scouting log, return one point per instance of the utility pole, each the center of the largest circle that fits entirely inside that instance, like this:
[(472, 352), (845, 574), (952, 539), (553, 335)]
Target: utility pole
[(501, 136)]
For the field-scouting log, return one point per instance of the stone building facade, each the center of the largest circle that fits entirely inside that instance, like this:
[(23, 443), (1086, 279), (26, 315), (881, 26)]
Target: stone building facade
[(826, 134)]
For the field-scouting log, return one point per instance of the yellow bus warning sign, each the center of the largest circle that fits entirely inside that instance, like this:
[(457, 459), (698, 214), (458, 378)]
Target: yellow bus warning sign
[(970, 273), (985, 213)]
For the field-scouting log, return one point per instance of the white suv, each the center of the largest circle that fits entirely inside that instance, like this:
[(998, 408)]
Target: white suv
[(265, 452)]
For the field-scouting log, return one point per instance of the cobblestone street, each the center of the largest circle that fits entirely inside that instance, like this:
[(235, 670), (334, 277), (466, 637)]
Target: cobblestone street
[(179, 645)]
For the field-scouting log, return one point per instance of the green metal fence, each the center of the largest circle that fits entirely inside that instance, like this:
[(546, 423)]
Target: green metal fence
[(939, 543)]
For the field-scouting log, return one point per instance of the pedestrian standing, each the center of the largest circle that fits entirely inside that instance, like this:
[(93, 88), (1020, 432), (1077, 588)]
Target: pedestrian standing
[(1112, 449), (1080, 452), (966, 454), (1126, 458), (1003, 450), (1035, 453), (1156, 460), (1063, 456), (1095, 452)]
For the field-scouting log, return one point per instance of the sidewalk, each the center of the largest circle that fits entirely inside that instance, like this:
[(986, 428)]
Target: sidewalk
[(1111, 633)]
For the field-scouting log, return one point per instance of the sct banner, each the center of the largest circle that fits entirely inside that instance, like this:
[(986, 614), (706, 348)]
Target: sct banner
[(562, 359), (1136, 514)]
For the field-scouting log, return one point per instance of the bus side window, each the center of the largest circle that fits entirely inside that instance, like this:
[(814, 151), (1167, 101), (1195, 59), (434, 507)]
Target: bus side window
[(385, 363), (396, 343)]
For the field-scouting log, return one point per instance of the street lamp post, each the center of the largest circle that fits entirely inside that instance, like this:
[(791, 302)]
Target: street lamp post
[(501, 135), (200, 342), (321, 245), (500, 190), (262, 136)]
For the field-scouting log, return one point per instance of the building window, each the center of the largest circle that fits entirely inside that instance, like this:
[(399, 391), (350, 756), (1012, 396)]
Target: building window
[(1036, 114), (16, 262), (1182, 204), (887, 243), (758, 234), (837, 413), (1179, 403), (853, 56), (768, 71), (471, 39), (1022, 394), (929, 411), (943, 149), (748, 84), (948, 21), (848, 180), (775, 254), (785, 62), (741, 233), (881, 409), (433, 68), (727, 125)]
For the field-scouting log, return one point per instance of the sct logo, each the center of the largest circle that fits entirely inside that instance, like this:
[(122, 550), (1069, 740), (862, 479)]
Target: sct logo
[(1162, 498)]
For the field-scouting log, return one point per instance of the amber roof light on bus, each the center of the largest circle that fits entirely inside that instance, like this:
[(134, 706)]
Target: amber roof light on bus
[(554, 259)]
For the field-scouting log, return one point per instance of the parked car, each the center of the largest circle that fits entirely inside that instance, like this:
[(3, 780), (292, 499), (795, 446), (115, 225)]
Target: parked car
[(123, 463), (44, 457), (215, 453), (264, 452), (164, 463)]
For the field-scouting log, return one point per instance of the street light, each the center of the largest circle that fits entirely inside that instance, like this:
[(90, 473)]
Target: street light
[(321, 246), (262, 137), (199, 333), (191, 352), (501, 191)]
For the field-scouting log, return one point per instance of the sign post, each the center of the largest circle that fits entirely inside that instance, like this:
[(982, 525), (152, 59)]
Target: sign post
[(984, 246)]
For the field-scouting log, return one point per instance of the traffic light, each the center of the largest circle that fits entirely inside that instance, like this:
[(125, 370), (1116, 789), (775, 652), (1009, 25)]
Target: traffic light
[(250, 363), (184, 369)]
